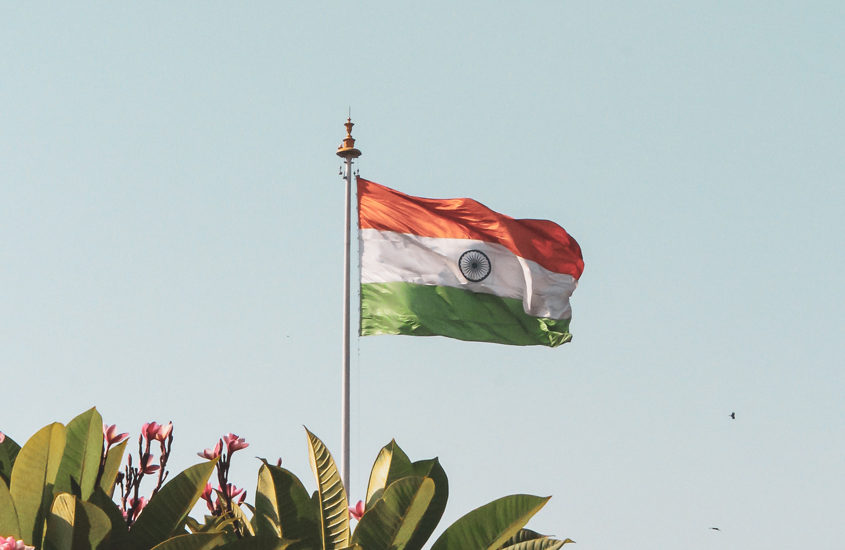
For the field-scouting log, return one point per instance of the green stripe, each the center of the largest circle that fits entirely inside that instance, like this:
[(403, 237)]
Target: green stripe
[(424, 310)]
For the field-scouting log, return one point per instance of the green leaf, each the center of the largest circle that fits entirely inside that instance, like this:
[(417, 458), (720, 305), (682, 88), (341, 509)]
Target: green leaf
[(112, 467), (168, 510), (526, 539), (523, 535), (193, 525), (239, 516), (212, 524), (431, 468), (543, 543), (334, 506), (75, 525), (83, 451), (119, 536), (99, 522), (8, 515), (33, 476), (392, 521), (260, 543), (265, 520), (195, 541), (8, 451), (491, 525), (391, 464), (283, 507)]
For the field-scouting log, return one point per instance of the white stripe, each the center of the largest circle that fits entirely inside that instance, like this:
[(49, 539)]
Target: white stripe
[(387, 256)]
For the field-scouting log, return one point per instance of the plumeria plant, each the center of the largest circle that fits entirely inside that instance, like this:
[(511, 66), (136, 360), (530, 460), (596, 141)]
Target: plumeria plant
[(131, 502), (223, 501), (59, 491)]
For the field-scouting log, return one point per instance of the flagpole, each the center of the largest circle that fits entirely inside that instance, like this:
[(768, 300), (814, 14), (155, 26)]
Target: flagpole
[(346, 151)]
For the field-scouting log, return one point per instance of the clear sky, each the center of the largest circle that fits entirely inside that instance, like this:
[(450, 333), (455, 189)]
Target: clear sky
[(171, 245)]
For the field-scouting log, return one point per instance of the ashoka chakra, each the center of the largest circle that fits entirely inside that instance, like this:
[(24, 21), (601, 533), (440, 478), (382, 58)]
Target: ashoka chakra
[(475, 265)]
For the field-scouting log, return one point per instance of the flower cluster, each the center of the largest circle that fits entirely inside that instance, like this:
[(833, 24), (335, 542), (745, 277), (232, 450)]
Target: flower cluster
[(226, 493), (212, 499), (222, 452), (9, 543), (131, 503)]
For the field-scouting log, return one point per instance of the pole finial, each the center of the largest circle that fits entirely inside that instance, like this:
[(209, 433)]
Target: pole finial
[(347, 147)]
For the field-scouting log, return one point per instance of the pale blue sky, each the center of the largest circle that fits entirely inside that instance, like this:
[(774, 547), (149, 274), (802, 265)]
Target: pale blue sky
[(171, 245)]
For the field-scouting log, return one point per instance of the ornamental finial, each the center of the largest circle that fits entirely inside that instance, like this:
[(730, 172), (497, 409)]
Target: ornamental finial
[(347, 148)]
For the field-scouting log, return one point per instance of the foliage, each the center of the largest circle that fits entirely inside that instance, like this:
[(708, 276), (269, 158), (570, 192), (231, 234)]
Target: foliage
[(57, 492)]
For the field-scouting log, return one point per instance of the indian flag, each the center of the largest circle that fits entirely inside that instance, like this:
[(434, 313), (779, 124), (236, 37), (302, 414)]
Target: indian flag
[(455, 268)]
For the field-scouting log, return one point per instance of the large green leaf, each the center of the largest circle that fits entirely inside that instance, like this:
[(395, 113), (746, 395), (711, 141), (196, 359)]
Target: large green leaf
[(526, 539), (523, 535), (265, 520), (75, 525), (392, 521), (8, 451), (212, 524), (491, 525), (8, 516), (165, 514), (334, 506), (81, 461), (119, 535), (391, 464), (33, 476), (113, 460), (260, 543), (193, 541), (99, 521), (542, 543), (431, 468), (283, 507)]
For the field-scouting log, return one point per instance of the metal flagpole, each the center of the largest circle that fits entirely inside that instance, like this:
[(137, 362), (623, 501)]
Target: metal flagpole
[(348, 152)]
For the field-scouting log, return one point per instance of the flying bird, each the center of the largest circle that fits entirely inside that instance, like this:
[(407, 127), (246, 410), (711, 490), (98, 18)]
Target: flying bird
[(715, 529), (733, 415)]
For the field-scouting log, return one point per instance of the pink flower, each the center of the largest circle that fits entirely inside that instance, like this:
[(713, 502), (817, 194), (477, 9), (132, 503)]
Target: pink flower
[(2, 439), (234, 443), (137, 505), (111, 435), (154, 430), (149, 429), (232, 492), (355, 512), (146, 465), (211, 454), (164, 432), (206, 496), (9, 543)]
